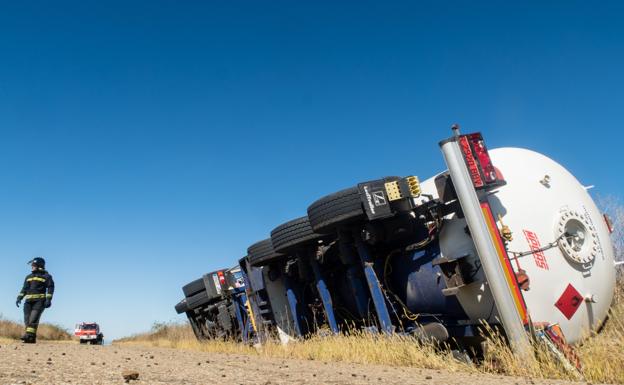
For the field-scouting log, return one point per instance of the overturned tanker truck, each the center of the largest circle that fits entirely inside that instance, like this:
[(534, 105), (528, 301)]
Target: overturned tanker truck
[(505, 239)]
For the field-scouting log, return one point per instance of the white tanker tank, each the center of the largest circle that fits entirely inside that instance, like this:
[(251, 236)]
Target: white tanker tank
[(560, 242)]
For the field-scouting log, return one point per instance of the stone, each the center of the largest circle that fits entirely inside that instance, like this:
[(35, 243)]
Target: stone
[(130, 375)]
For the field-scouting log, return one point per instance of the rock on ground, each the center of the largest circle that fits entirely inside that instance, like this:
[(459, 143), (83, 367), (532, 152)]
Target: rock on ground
[(74, 364)]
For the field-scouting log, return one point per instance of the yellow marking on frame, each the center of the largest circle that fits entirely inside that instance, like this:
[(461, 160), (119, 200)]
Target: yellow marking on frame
[(251, 315)]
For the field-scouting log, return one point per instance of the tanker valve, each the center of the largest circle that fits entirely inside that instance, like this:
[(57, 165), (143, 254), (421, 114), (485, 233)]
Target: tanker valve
[(545, 181), (523, 280), (505, 231)]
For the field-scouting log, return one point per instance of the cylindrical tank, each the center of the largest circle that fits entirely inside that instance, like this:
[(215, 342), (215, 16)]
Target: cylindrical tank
[(560, 240)]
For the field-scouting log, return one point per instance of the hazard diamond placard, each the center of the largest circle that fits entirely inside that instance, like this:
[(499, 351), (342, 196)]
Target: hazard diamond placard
[(569, 302)]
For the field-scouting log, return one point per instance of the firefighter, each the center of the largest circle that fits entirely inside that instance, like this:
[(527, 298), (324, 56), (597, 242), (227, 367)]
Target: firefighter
[(37, 294)]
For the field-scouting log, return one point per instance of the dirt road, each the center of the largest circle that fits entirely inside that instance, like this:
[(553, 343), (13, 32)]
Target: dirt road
[(73, 364)]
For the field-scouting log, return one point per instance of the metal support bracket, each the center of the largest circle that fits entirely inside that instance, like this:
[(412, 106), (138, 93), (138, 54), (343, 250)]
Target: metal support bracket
[(325, 296), (374, 286), (239, 300), (293, 305)]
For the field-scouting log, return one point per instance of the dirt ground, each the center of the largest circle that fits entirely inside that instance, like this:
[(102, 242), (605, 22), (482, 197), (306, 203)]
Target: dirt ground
[(71, 363)]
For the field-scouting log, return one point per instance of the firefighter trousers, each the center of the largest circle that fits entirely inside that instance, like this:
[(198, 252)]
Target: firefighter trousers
[(32, 315)]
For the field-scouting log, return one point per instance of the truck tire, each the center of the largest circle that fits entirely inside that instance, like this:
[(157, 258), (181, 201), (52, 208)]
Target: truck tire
[(194, 287), (340, 208), (181, 307), (261, 253), (198, 300), (293, 234)]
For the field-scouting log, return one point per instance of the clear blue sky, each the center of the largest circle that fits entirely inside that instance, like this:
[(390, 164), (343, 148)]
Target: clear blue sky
[(144, 143)]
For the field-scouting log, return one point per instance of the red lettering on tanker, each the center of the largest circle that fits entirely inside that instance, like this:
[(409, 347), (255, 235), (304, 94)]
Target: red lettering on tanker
[(536, 248)]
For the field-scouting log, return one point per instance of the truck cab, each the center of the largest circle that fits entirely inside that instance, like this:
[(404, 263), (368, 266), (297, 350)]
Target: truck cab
[(89, 333)]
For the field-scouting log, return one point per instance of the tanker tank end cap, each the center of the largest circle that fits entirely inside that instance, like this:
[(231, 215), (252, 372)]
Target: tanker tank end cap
[(578, 239)]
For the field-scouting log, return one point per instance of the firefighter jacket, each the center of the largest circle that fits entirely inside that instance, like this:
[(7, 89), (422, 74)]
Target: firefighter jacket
[(37, 286)]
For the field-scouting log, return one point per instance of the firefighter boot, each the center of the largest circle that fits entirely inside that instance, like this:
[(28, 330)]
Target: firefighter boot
[(30, 338)]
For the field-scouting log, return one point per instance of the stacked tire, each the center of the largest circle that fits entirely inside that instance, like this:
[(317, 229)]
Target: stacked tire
[(288, 265)]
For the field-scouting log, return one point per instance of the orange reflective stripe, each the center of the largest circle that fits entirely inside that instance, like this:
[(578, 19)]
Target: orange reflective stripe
[(505, 263)]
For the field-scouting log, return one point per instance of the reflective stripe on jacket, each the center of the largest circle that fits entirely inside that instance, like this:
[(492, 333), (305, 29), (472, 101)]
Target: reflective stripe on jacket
[(38, 285)]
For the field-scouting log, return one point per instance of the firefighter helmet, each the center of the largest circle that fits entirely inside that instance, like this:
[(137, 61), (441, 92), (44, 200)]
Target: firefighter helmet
[(39, 262)]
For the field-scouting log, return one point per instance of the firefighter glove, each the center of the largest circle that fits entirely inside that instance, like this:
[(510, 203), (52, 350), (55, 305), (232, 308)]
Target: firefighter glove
[(48, 303), (18, 301)]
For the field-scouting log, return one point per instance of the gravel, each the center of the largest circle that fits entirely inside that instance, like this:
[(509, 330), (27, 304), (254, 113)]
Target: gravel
[(74, 364)]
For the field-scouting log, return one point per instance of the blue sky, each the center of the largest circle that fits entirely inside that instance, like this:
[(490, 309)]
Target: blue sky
[(144, 143)]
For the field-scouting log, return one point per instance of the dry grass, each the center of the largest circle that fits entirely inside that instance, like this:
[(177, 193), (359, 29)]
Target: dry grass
[(602, 356), (163, 333), (13, 331), (364, 348)]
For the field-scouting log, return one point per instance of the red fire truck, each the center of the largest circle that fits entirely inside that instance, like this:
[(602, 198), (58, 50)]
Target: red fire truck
[(89, 332)]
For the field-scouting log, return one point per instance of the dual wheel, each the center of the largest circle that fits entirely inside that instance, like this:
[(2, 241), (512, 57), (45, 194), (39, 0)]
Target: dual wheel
[(284, 239), (339, 209)]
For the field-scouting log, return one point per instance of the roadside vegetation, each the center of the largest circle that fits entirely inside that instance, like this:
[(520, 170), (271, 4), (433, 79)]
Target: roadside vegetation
[(602, 355), (13, 331), (365, 348)]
